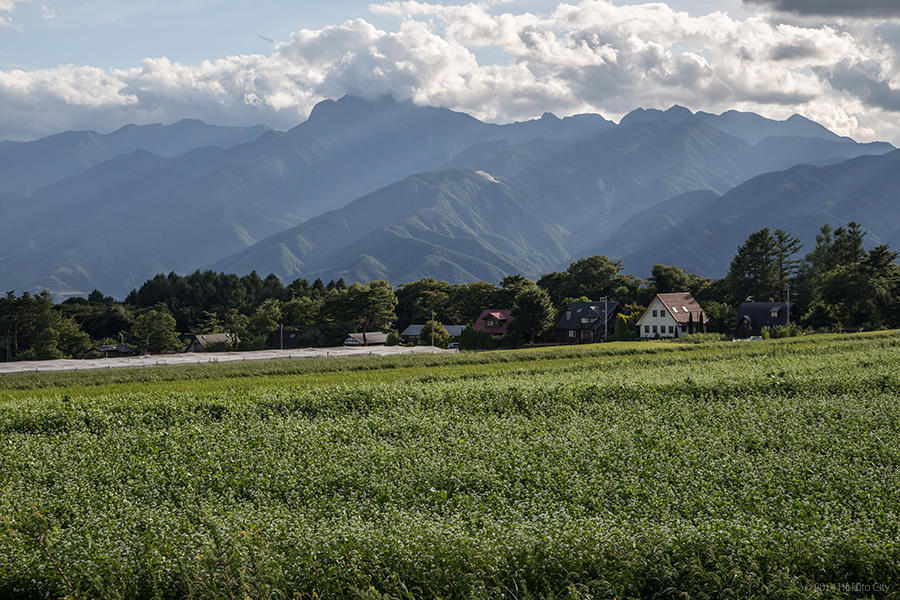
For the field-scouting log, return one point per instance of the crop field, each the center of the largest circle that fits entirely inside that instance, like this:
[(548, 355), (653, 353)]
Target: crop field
[(654, 470)]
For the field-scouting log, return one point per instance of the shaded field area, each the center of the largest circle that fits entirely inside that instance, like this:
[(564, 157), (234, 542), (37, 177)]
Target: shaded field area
[(633, 470)]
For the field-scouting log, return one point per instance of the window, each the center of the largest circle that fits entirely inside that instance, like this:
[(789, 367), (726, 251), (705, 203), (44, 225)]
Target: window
[(568, 315), (654, 329), (491, 323), (674, 309), (571, 333), (774, 313), (654, 313), (671, 329), (684, 308), (585, 319), (646, 329)]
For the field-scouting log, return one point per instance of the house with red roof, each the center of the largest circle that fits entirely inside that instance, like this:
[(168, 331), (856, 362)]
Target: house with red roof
[(670, 316), (493, 321)]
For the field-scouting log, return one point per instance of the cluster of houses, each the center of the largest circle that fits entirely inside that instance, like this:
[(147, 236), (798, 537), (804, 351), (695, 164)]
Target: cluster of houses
[(669, 315)]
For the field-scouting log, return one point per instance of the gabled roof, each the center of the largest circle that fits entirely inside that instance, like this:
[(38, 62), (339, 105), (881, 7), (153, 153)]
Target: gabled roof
[(498, 314), (372, 338), (204, 339), (416, 330), (571, 319), (501, 315), (760, 313), (680, 305)]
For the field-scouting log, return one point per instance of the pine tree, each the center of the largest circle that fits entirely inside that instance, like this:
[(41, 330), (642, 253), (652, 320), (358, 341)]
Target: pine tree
[(532, 315), (371, 305), (786, 246), (754, 269)]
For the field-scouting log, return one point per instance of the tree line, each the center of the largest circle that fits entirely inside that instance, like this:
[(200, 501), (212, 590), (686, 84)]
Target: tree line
[(838, 284)]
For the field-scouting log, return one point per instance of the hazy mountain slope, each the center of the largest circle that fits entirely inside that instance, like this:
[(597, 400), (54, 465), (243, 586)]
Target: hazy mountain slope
[(463, 224), (568, 185), (585, 190), (754, 128), (178, 138), (581, 188), (799, 200), (750, 127), (775, 153), (28, 166), (212, 202), (657, 222), (130, 218), (593, 185)]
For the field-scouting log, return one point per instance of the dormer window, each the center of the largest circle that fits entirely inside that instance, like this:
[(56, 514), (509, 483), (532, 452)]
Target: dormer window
[(684, 308), (490, 323), (674, 309), (774, 313), (585, 319), (568, 315)]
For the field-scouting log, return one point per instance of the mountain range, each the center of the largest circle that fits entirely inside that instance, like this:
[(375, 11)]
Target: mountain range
[(369, 189)]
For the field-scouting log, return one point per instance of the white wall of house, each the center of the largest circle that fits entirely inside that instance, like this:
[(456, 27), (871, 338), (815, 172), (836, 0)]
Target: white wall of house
[(657, 322)]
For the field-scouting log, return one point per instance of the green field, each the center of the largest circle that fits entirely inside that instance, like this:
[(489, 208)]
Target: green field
[(654, 470)]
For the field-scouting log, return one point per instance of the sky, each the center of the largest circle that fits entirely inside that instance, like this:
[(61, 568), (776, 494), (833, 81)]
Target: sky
[(82, 64)]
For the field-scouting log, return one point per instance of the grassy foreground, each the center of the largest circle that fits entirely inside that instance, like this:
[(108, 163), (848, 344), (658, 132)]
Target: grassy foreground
[(767, 470)]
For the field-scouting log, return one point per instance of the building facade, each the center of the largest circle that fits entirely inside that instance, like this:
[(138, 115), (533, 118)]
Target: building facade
[(670, 316)]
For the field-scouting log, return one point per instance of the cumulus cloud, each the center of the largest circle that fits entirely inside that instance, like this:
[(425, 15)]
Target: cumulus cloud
[(834, 8), (590, 56)]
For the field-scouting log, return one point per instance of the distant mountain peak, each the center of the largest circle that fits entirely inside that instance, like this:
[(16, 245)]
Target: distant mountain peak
[(679, 111), (345, 103), (675, 114)]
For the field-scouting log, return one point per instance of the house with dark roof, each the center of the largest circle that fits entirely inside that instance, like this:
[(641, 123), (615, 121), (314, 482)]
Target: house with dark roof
[(670, 316), (412, 333), (587, 322), (753, 317), (493, 321), (114, 350), (206, 342)]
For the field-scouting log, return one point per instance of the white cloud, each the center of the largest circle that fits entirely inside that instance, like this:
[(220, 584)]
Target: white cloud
[(589, 56)]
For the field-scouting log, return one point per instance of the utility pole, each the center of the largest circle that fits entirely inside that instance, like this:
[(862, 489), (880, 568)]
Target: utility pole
[(281, 334), (432, 328), (605, 319)]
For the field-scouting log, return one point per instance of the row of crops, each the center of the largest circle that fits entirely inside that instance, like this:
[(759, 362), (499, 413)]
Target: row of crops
[(654, 470)]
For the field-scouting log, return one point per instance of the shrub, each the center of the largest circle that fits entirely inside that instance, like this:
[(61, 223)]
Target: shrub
[(470, 339), (789, 330)]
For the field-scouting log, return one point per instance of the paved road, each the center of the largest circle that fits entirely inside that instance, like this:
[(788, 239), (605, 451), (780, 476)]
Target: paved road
[(199, 358)]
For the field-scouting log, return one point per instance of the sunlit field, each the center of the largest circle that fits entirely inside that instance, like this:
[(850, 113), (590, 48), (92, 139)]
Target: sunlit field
[(641, 470)]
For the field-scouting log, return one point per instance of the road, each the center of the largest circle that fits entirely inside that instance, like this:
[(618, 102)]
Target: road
[(194, 358)]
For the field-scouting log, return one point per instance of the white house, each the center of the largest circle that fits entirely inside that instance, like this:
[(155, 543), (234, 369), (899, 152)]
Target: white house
[(670, 316)]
